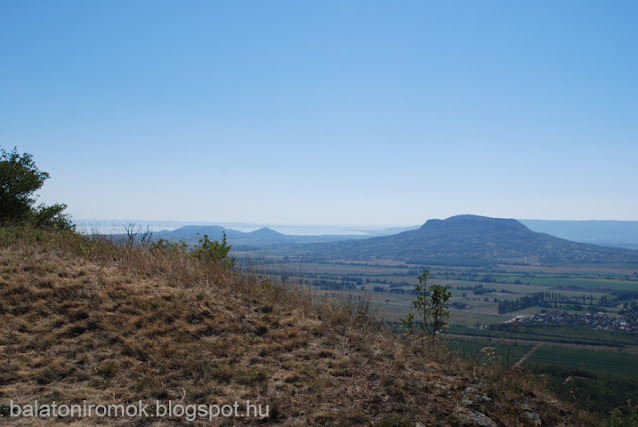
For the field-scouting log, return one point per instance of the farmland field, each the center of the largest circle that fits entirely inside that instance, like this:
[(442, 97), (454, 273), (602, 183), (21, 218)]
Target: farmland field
[(476, 291)]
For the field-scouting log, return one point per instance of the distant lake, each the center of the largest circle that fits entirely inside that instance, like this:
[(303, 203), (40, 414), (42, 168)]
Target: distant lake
[(118, 226)]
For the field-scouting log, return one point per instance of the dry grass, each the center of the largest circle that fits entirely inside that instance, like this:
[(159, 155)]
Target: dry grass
[(82, 320)]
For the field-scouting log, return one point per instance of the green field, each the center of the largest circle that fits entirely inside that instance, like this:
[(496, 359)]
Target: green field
[(388, 285), (581, 375), (605, 362), (504, 354)]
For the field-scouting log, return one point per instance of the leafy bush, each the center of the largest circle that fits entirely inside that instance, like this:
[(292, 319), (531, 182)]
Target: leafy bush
[(19, 180), (431, 305), (214, 250), (166, 246)]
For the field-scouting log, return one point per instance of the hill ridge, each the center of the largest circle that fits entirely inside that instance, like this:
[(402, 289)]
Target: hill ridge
[(473, 240)]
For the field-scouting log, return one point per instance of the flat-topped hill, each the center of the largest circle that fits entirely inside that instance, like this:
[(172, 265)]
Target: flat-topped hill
[(474, 240)]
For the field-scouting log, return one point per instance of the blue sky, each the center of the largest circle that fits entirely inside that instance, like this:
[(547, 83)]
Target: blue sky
[(331, 112)]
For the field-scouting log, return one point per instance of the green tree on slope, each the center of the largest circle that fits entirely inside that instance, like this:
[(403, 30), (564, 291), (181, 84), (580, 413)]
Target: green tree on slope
[(19, 180), (431, 305)]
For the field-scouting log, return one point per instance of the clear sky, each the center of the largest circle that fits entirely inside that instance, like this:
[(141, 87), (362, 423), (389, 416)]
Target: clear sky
[(325, 112)]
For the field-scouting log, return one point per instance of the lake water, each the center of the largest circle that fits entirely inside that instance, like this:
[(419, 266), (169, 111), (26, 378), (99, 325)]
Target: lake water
[(119, 226)]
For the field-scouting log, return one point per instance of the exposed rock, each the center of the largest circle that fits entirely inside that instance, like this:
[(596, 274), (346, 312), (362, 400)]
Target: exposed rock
[(536, 419), (533, 415), (478, 418)]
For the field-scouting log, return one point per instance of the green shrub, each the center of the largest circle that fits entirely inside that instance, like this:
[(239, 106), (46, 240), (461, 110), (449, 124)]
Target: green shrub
[(431, 305), (214, 250), (19, 180), (166, 246)]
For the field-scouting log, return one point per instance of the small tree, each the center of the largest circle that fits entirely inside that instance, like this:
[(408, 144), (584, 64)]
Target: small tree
[(431, 305), (19, 180), (214, 250)]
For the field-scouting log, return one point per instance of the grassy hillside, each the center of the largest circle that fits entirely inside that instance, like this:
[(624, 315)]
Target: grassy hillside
[(87, 321)]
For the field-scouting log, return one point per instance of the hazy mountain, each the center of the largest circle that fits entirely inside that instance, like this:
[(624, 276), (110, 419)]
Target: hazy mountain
[(262, 238), (267, 233), (389, 231), (608, 233), (472, 240)]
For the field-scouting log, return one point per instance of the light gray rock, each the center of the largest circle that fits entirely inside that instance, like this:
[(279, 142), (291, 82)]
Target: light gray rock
[(478, 418), (536, 419), (531, 414)]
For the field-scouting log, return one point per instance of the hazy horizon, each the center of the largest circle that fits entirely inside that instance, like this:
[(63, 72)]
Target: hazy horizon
[(115, 226)]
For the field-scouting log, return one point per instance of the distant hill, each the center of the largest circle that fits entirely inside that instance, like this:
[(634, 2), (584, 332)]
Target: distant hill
[(192, 234), (389, 231), (472, 240), (259, 239), (608, 233)]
